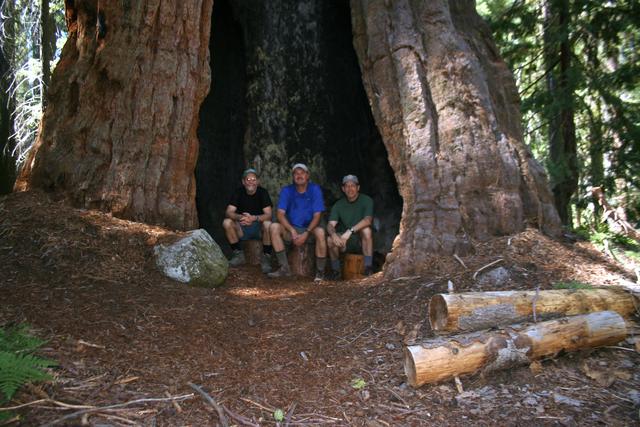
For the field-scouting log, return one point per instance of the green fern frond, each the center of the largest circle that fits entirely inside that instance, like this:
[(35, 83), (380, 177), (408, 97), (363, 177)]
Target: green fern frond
[(17, 339), (17, 365), (18, 369)]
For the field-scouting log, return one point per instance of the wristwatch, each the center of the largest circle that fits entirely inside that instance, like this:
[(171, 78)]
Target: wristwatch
[(351, 230)]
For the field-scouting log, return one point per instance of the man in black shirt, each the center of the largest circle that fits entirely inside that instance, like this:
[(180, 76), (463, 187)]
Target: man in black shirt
[(248, 217)]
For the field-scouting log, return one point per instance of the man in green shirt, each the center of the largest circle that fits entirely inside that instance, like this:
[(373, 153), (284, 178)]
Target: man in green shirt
[(350, 218)]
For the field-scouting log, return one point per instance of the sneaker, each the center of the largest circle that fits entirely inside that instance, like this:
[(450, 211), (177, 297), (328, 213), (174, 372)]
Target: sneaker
[(319, 276), (368, 271), (237, 259), (334, 275), (281, 272), (265, 263)]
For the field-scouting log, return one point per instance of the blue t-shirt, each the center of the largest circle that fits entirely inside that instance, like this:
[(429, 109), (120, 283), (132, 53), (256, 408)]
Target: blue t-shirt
[(300, 207)]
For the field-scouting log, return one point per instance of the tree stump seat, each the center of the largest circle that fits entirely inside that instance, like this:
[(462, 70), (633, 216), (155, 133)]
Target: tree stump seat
[(252, 251), (353, 266), (302, 259)]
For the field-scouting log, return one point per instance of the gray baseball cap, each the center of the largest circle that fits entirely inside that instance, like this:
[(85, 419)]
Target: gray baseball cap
[(351, 178)]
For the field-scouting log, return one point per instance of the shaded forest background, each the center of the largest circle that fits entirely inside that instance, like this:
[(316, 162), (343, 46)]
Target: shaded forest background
[(576, 63)]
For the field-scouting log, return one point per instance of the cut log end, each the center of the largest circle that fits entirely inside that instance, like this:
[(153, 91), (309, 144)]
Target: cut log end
[(438, 313), (410, 367)]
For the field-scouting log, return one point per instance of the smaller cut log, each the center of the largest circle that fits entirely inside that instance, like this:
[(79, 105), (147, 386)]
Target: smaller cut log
[(353, 267), (444, 358), (302, 260), (252, 251), (473, 311)]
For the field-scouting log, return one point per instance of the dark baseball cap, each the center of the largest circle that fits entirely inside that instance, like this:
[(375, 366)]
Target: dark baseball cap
[(248, 171)]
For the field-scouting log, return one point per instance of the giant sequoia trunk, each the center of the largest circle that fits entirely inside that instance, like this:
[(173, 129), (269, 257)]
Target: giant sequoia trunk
[(447, 108), (127, 99), (119, 133)]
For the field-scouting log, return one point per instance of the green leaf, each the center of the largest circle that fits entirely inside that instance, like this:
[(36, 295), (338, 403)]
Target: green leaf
[(278, 415), (358, 383)]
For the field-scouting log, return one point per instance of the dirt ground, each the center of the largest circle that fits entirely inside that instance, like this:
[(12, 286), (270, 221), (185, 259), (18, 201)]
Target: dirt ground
[(129, 341)]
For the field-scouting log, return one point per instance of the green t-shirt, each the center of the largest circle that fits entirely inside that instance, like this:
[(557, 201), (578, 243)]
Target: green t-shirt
[(349, 214)]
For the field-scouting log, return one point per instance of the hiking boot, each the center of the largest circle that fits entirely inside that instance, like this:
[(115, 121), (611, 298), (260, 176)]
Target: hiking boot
[(368, 271), (281, 272), (237, 259), (319, 276), (334, 275), (265, 263)]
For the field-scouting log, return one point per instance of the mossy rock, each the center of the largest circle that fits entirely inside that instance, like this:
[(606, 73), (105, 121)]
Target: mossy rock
[(195, 259)]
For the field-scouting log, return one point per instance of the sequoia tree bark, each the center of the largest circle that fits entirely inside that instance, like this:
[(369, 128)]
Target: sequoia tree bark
[(120, 134), (447, 108)]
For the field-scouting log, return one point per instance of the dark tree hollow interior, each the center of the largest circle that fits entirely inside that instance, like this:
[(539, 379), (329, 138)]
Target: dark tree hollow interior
[(286, 87)]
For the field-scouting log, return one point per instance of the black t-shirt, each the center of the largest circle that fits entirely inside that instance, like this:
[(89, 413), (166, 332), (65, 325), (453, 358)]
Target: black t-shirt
[(252, 204)]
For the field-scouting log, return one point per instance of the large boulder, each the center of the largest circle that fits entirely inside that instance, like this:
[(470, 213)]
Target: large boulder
[(195, 259)]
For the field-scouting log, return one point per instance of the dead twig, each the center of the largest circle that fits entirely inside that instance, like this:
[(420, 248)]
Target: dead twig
[(533, 304), (403, 412), (121, 419), (117, 406), (357, 336), (620, 348), (212, 402), (397, 396), (88, 344), (486, 266), (458, 384), (424, 285), (460, 261), (239, 418), (287, 419), (55, 402), (258, 405), (175, 404)]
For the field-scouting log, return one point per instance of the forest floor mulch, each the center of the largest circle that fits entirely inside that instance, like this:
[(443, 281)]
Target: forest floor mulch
[(132, 344)]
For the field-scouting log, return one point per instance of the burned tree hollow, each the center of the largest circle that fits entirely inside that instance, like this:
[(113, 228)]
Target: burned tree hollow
[(286, 87)]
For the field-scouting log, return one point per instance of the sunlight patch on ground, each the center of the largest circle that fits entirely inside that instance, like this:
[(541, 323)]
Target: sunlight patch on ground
[(265, 294)]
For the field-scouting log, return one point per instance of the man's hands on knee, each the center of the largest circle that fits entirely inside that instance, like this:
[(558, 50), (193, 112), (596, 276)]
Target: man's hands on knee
[(299, 239), (247, 219)]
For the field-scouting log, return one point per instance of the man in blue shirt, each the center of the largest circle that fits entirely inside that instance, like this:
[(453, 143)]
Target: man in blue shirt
[(299, 209)]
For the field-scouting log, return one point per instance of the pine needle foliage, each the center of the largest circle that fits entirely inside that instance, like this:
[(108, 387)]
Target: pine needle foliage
[(18, 364)]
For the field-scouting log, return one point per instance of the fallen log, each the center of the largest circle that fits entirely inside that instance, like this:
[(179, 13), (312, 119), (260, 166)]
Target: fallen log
[(473, 311), (445, 358)]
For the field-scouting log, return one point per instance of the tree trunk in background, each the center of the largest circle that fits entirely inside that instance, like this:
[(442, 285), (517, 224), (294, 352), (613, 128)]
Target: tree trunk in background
[(447, 108), (119, 133), (563, 161), (596, 134), (7, 162), (47, 47)]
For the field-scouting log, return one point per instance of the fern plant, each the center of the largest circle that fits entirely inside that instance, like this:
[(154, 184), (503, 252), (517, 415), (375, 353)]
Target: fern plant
[(17, 363)]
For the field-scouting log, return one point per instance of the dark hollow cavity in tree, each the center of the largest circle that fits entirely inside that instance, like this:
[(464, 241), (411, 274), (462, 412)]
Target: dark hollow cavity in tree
[(286, 87)]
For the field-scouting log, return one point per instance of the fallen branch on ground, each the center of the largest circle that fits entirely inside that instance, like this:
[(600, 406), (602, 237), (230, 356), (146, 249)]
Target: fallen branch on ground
[(211, 401), (485, 267), (118, 406)]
